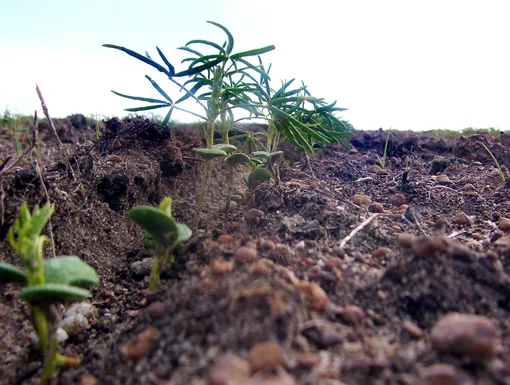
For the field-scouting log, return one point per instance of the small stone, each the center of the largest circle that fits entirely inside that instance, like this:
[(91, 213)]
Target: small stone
[(384, 171), (333, 263), (464, 335), (462, 219), (468, 187), (439, 374), (353, 315), (398, 200), (140, 346), (382, 252), (232, 206), (245, 239), (323, 336), (245, 254), (338, 252), (156, 310), (361, 199), (253, 217), (225, 239), (142, 267), (412, 329), (265, 355), (376, 207), (406, 240), (428, 246), (220, 266), (504, 224), (88, 380), (374, 169), (268, 245), (503, 241), (353, 151), (443, 180), (229, 369), (317, 298), (307, 360)]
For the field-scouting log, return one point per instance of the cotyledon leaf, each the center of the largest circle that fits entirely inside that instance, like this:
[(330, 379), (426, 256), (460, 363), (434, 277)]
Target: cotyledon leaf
[(53, 293), (10, 273), (69, 270)]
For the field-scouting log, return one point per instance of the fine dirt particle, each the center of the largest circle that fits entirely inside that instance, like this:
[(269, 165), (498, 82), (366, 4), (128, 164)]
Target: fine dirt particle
[(376, 207), (317, 298), (245, 254), (139, 346)]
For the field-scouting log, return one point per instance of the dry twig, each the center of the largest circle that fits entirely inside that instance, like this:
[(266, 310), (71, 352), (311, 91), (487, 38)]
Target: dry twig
[(357, 229)]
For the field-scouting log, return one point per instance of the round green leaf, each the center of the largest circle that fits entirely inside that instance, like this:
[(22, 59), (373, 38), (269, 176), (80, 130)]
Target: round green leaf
[(246, 175), (184, 233), (235, 159), (258, 176), (161, 227), (228, 148), (69, 270), (261, 155), (9, 273), (53, 293), (210, 153)]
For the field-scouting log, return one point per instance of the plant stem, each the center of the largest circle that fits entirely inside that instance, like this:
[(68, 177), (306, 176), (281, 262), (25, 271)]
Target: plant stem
[(159, 258), (208, 166)]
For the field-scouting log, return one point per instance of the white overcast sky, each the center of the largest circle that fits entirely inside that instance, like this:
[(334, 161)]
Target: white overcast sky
[(401, 63)]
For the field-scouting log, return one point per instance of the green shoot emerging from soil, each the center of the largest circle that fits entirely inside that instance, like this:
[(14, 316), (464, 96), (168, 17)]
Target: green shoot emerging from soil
[(382, 161), (501, 173), (48, 282), (161, 231)]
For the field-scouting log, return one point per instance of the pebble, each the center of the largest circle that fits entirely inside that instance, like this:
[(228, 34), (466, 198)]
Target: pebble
[(376, 207), (412, 329), (142, 267), (307, 360), (443, 180), (385, 172), (464, 335), (429, 246), (338, 252), (333, 263), (352, 314), (88, 380), (468, 187), (353, 151), (503, 241), (265, 355), (361, 199), (232, 206), (75, 324), (317, 298), (229, 369), (156, 310), (253, 217), (140, 346), (225, 239), (245, 254), (323, 336), (382, 252), (439, 374), (268, 245), (504, 224), (406, 240), (398, 200), (374, 169), (462, 219), (220, 266)]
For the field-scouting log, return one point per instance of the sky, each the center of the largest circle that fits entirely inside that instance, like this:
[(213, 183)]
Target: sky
[(404, 64)]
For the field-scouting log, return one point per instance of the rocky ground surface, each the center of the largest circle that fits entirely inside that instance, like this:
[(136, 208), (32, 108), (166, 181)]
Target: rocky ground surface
[(352, 274)]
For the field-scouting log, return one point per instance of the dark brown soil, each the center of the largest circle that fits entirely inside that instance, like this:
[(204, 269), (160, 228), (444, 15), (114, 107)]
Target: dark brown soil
[(362, 336)]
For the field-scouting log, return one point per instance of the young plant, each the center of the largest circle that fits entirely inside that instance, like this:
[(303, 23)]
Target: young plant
[(500, 171), (382, 161), (161, 231), (47, 282)]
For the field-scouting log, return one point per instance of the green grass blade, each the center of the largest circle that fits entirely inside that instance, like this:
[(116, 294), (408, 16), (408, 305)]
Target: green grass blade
[(230, 43), (147, 108), (171, 68), (253, 52), (142, 99), (159, 89), (209, 43), (198, 69)]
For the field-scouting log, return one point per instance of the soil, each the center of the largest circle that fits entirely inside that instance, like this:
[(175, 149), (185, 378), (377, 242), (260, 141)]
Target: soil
[(342, 294)]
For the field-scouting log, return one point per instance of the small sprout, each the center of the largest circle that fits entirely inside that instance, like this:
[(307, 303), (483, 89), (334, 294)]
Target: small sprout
[(236, 198), (257, 176), (164, 232), (237, 159), (48, 283)]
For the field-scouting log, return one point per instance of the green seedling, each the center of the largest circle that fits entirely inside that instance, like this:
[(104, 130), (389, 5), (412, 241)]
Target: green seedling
[(47, 282), (382, 161), (500, 171), (232, 162), (162, 232)]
